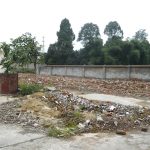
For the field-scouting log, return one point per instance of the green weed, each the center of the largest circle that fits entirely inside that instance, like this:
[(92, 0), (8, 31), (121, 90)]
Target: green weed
[(28, 88)]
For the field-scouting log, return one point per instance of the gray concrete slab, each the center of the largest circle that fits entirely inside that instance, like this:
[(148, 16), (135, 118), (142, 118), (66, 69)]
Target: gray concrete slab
[(100, 141), (117, 99), (12, 134)]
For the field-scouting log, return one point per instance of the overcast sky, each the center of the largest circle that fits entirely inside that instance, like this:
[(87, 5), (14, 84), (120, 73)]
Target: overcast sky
[(43, 17)]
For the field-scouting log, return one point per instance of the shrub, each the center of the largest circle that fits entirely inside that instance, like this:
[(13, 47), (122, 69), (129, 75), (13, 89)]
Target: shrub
[(28, 88)]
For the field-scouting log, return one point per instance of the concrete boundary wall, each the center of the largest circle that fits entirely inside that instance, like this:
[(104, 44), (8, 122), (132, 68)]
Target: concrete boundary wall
[(98, 71)]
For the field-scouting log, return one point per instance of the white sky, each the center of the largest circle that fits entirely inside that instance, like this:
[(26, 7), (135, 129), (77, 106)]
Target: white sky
[(43, 17)]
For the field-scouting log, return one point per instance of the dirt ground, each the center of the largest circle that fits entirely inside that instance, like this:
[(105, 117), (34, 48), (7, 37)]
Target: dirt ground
[(131, 88)]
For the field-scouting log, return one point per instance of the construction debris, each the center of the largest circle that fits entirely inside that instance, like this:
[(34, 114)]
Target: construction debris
[(61, 109), (59, 112)]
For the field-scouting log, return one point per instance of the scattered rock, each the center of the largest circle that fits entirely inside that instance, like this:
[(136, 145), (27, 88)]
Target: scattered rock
[(144, 129), (121, 132), (99, 118), (35, 125), (111, 108), (137, 122), (116, 123), (81, 126), (109, 114), (50, 88), (87, 122)]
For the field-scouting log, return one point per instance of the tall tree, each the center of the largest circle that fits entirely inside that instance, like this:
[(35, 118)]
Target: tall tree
[(52, 56), (127, 48), (135, 57), (144, 51), (90, 37), (89, 32), (65, 41), (113, 29)]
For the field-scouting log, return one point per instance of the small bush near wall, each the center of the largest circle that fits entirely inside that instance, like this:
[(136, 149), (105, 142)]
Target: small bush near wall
[(26, 88)]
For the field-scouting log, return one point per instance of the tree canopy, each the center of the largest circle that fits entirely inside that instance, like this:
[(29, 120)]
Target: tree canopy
[(7, 60), (62, 51), (26, 49), (141, 35), (113, 29), (115, 51), (89, 32)]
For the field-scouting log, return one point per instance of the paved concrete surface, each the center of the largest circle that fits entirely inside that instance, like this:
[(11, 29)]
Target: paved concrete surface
[(5, 98), (13, 137), (12, 134), (116, 99)]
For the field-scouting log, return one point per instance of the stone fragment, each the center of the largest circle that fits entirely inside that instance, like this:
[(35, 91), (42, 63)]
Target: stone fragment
[(111, 108), (137, 122), (99, 118), (87, 122), (116, 123), (81, 126), (50, 88), (35, 125), (121, 132), (144, 129), (109, 114)]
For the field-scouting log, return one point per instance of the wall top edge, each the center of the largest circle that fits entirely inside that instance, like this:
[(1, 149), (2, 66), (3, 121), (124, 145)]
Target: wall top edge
[(100, 66)]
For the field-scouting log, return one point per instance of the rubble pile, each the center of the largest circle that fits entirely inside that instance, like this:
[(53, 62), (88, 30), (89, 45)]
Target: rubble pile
[(61, 109), (57, 111), (134, 88)]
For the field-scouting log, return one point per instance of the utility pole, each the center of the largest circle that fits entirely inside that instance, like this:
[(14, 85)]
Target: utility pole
[(43, 46)]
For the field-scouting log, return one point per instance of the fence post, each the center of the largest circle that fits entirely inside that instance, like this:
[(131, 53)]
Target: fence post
[(38, 70), (129, 71), (84, 71), (51, 70), (104, 66), (65, 70)]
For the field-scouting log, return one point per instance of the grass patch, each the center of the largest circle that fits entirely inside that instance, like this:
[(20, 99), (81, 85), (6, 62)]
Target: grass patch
[(72, 119), (28, 88), (62, 132)]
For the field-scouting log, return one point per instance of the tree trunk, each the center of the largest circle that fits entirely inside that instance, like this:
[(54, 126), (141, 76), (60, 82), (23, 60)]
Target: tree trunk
[(35, 67)]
